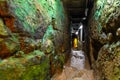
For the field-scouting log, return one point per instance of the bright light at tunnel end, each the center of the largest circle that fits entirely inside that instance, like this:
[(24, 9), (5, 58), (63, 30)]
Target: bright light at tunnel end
[(81, 26)]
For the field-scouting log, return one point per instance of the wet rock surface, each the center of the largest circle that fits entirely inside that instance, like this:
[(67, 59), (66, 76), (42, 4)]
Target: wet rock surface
[(28, 67), (77, 59), (107, 63), (104, 24), (104, 19), (28, 27)]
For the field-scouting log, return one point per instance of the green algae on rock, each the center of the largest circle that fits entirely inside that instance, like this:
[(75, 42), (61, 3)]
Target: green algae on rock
[(29, 67), (32, 27), (104, 23), (3, 31)]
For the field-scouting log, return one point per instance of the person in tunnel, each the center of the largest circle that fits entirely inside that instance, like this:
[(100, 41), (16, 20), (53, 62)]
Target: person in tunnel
[(74, 40)]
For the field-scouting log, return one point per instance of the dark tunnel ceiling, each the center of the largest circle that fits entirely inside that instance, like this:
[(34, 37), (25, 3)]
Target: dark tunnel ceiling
[(75, 9)]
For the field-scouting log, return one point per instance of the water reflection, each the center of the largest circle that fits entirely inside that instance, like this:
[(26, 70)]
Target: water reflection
[(77, 59)]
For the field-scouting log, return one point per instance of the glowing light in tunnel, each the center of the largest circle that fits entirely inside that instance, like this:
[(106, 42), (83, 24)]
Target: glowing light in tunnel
[(81, 26), (75, 43), (81, 31), (76, 33)]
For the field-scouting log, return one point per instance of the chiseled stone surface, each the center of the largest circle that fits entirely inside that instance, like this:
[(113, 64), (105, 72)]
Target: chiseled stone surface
[(104, 24), (28, 67), (30, 25)]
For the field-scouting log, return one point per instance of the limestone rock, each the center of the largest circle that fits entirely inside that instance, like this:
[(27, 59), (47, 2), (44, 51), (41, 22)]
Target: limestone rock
[(110, 37), (30, 28), (8, 48), (118, 32), (108, 62), (30, 67), (105, 18), (3, 31), (104, 23)]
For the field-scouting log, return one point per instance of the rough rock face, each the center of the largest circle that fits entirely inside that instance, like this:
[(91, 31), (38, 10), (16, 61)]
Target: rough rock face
[(34, 66), (104, 30), (105, 20), (108, 62), (30, 25)]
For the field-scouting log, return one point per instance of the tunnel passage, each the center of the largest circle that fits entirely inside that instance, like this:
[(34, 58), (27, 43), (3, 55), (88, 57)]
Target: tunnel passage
[(78, 13), (36, 37), (102, 34)]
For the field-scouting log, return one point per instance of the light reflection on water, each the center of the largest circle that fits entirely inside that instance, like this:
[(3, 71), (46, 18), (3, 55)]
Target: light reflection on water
[(76, 70), (77, 59)]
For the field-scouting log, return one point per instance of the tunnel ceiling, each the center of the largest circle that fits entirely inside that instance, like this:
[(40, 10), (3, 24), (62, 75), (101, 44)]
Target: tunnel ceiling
[(75, 9)]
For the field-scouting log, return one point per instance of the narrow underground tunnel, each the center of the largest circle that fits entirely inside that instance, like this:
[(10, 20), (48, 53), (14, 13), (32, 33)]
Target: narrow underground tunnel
[(59, 40)]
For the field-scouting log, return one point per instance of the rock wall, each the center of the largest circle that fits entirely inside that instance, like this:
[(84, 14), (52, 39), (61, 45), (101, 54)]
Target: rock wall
[(32, 27), (104, 29)]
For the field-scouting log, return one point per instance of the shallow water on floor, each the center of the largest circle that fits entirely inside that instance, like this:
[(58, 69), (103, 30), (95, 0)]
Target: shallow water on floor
[(77, 59), (76, 68)]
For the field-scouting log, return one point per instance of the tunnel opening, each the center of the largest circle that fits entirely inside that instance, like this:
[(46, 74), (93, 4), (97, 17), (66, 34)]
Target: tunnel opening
[(78, 14)]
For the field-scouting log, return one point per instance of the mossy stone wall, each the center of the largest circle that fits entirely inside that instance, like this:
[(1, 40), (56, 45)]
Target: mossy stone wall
[(28, 27)]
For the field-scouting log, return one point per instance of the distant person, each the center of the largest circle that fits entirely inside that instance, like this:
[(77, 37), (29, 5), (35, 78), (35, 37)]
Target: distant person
[(74, 40), (75, 43)]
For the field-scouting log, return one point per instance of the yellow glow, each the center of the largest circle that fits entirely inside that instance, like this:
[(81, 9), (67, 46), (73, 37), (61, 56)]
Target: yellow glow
[(75, 43)]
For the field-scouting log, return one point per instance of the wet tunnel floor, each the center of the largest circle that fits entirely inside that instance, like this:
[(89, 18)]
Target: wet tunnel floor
[(77, 68)]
